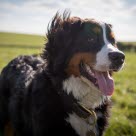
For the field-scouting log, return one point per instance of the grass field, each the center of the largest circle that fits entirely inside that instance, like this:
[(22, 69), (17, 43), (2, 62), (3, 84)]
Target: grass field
[(123, 119), (12, 45)]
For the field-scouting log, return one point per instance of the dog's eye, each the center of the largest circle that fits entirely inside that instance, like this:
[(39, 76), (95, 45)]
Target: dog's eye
[(92, 38)]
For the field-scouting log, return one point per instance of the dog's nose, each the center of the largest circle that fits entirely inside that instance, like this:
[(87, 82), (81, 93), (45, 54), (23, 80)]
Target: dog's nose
[(117, 57)]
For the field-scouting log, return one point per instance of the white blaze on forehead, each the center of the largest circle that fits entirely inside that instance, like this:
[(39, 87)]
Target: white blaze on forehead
[(102, 58), (107, 43)]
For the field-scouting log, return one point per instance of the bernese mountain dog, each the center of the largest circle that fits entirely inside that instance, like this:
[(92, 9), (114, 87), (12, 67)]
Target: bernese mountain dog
[(66, 90)]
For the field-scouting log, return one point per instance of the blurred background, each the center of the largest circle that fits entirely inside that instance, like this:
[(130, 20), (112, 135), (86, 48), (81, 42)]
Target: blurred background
[(23, 26)]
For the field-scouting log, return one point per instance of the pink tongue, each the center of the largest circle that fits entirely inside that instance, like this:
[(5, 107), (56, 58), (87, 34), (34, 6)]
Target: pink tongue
[(105, 82)]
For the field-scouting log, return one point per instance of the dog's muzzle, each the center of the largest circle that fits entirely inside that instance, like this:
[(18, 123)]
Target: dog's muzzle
[(117, 59)]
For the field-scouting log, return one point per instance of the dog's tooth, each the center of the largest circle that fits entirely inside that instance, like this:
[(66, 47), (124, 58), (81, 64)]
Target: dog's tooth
[(90, 71), (87, 67)]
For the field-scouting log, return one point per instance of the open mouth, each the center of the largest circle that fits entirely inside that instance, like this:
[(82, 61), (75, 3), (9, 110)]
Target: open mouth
[(102, 80)]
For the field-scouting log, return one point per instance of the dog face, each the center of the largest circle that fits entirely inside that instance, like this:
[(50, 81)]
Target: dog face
[(97, 55), (109, 58), (97, 48), (86, 51)]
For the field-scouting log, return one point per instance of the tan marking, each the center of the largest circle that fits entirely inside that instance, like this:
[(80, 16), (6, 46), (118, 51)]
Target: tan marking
[(8, 130), (112, 35), (97, 30), (73, 66)]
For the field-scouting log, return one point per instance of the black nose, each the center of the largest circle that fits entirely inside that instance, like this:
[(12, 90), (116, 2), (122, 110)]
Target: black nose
[(117, 57)]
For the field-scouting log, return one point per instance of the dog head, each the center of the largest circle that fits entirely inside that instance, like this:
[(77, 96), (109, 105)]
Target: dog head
[(85, 51)]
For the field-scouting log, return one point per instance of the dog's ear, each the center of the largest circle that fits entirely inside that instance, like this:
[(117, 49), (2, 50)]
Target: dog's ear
[(110, 25), (76, 24), (72, 24)]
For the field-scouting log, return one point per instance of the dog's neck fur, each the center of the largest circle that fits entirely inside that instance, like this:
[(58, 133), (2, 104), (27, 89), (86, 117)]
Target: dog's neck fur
[(89, 96), (83, 91)]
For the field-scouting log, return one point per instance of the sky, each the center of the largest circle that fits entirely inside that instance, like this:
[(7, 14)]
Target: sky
[(33, 16)]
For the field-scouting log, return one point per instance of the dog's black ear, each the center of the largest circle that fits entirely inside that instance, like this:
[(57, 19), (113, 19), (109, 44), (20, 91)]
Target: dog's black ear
[(72, 24), (76, 23), (110, 25)]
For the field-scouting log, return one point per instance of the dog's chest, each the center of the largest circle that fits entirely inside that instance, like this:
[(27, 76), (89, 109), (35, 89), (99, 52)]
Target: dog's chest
[(83, 127)]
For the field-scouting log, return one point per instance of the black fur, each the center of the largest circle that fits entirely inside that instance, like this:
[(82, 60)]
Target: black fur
[(31, 93)]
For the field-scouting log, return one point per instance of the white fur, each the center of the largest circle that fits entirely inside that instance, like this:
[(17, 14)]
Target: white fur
[(102, 59), (79, 124), (84, 91)]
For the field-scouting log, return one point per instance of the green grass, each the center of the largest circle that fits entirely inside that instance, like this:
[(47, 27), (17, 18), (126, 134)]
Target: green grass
[(129, 43), (123, 118), (21, 39), (12, 45)]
